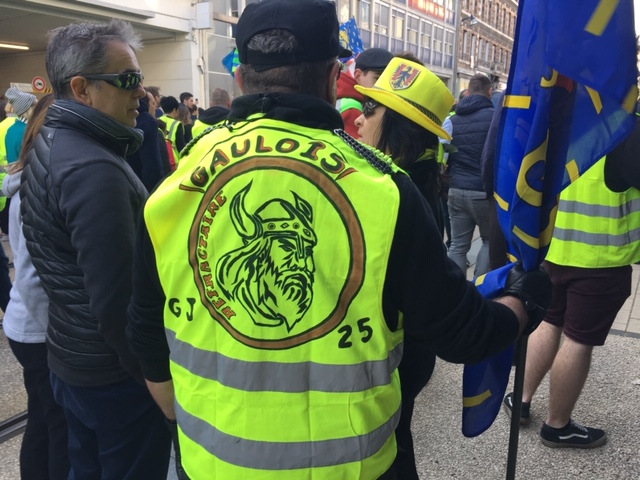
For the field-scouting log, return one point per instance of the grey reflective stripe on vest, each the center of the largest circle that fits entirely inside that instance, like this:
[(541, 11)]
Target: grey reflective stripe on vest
[(597, 239), (614, 212), (172, 129), (265, 455), (283, 377)]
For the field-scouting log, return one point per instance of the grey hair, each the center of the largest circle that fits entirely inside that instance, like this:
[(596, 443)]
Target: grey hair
[(81, 48), (220, 97), (306, 77)]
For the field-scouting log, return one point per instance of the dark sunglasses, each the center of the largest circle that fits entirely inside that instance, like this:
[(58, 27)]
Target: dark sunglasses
[(369, 108), (125, 81)]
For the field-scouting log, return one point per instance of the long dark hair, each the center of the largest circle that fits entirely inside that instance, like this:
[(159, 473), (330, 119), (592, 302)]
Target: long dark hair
[(414, 149), (33, 126)]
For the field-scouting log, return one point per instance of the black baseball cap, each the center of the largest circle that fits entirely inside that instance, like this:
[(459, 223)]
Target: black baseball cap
[(374, 59), (314, 23)]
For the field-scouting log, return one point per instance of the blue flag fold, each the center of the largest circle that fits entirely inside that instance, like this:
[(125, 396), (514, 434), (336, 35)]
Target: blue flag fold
[(350, 38), (570, 100), (231, 61)]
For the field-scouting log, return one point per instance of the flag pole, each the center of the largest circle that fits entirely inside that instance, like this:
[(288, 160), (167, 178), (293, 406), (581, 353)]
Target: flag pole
[(518, 387)]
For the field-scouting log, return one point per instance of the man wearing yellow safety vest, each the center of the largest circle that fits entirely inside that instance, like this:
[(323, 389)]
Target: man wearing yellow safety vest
[(595, 241), (175, 130), (280, 268), (217, 112)]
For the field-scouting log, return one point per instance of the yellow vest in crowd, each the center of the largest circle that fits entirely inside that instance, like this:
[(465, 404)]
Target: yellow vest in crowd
[(272, 245), (172, 130), (595, 227), (4, 127)]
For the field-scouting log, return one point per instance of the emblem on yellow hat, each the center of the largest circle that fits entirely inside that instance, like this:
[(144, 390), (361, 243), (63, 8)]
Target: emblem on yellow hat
[(403, 76)]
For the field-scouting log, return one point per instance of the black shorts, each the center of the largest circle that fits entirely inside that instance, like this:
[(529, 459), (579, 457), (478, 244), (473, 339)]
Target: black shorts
[(585, 301)]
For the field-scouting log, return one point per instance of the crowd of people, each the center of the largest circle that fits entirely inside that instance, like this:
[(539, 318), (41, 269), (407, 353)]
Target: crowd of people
[(269, 297)]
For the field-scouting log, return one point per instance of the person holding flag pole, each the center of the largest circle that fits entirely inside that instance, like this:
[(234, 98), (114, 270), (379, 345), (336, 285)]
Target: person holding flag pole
[(292, 307), (567, 104)]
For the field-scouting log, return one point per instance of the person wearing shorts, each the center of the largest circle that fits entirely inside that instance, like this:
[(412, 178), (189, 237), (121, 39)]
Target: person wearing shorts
[(589, 263), (585, 301)]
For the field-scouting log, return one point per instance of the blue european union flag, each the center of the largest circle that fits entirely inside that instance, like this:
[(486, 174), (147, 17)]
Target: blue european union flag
[(231, 61), (570, 99), (350, 37)]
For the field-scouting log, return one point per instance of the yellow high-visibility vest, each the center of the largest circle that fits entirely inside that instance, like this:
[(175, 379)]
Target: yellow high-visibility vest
[(271, 243), (596, 227), (172, 130)]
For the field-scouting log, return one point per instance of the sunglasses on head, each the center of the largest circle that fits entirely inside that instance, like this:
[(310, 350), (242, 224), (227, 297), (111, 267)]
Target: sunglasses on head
[(369, 108), (125, 81)]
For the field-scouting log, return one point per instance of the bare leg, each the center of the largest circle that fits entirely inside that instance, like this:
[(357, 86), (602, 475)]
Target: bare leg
[(568, 376), (541, 352)]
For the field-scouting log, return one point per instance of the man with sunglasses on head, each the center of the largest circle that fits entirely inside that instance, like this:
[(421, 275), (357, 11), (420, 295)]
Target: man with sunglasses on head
[(278, 271), (81, 202)]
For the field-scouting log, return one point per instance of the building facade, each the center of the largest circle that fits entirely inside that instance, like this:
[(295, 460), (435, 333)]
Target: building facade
[(185, 40), (485, 39), (173, 47), (426, 28)]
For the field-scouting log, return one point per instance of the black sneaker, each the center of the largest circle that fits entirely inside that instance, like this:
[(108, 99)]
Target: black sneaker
[(573, 435), (525, 419)]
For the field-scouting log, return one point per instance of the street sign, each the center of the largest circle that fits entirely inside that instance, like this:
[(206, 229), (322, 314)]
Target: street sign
[(38, 84)]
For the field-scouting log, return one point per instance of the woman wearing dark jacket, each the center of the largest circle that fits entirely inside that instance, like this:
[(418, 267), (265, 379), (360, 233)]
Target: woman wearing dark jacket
[(403, 118)]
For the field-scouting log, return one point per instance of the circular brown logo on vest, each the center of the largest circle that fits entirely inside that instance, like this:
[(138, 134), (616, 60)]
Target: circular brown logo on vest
[(277, 251)]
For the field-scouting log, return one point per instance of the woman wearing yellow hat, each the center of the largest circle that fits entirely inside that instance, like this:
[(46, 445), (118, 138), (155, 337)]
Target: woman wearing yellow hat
[(403, 118)]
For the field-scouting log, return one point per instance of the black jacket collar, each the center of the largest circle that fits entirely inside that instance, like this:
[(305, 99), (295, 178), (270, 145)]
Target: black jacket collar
[(120, 138), (304, 110)]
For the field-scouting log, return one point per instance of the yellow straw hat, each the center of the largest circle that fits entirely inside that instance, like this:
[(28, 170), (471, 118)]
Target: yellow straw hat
[(414, 92)]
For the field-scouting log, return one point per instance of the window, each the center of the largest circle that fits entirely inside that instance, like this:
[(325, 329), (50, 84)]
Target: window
[(381, 19), (438, 45), (465, 42), (412, 29), (448, 48), (438, 34), (398, 24), (381, 25), (364, 14), (426, 34), (425, 40)]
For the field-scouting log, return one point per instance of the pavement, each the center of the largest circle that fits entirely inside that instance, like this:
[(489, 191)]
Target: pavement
[(610, 401)]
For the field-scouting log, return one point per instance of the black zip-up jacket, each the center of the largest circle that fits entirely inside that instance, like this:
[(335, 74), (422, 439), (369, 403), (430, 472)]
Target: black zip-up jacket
[(470, 127), (443, 312), (80, 205)]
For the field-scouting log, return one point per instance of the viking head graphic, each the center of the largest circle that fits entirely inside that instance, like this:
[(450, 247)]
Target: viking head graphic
[(271, 275)]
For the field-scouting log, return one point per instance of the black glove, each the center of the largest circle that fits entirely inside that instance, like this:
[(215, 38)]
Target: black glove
[(534, 289), (172, 425)]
